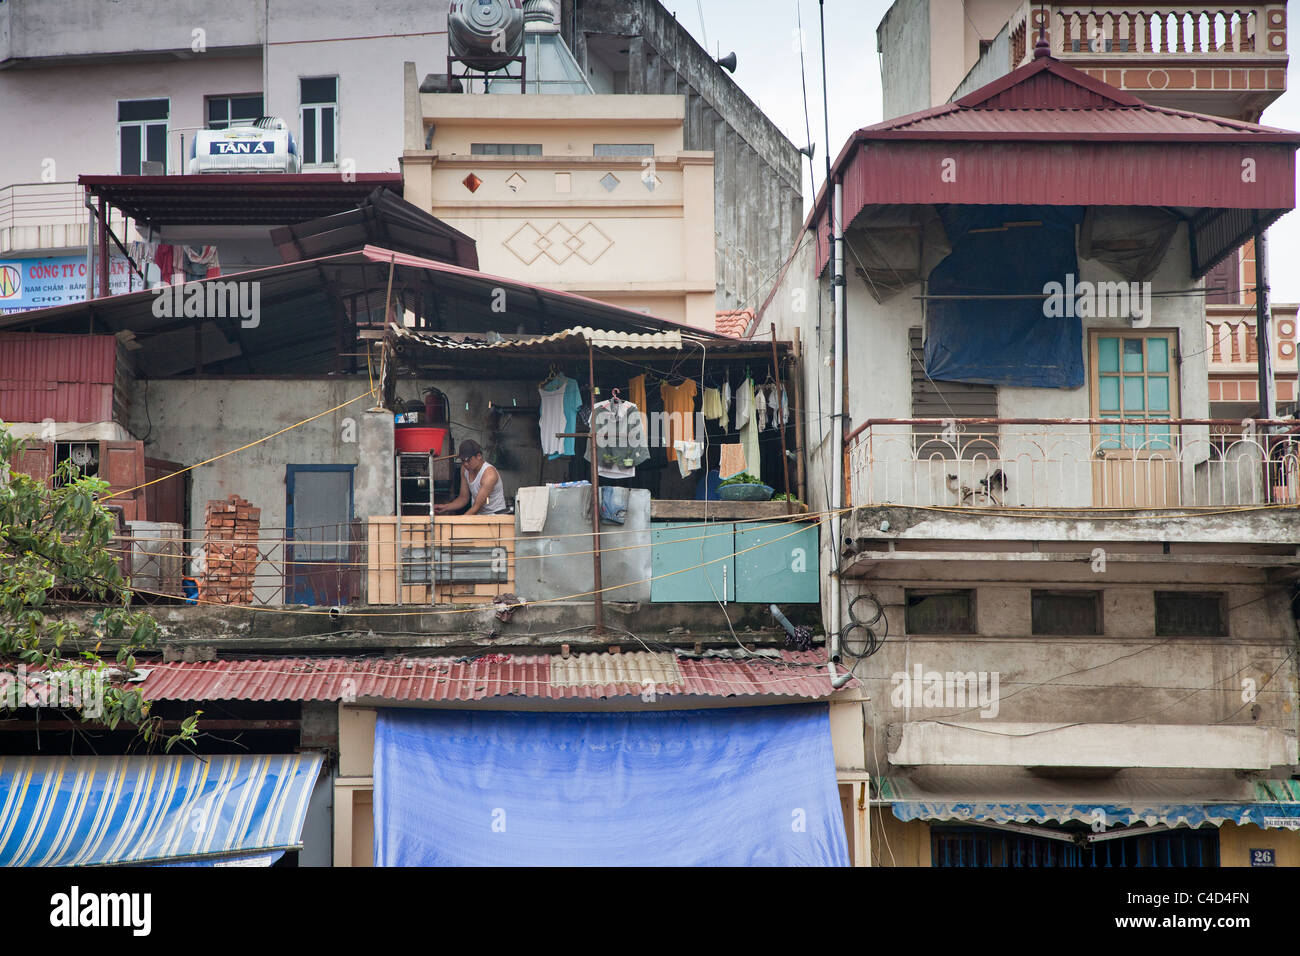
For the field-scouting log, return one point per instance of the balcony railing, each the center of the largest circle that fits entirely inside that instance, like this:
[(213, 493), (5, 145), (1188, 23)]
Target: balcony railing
[(1077, 463), (1120, 29)]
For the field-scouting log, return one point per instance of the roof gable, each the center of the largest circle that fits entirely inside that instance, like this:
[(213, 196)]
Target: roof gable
[(1045, 83)]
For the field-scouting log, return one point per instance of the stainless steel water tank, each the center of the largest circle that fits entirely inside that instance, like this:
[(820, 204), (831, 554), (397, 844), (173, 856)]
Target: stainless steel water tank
[(485, 33)]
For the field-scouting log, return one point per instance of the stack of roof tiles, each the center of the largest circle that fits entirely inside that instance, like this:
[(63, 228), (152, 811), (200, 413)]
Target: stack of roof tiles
[(232, 529)]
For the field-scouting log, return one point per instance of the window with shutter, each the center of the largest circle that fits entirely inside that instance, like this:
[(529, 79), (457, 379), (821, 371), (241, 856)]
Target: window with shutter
[(1227, 279), (950, 400)]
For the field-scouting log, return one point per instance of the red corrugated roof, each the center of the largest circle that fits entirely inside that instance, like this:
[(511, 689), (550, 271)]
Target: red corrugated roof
[(444, 679), (67, 378), (1048, 134)]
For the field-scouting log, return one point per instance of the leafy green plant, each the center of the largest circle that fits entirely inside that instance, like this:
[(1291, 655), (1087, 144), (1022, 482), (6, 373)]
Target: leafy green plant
[(58, 541), (744, 478)]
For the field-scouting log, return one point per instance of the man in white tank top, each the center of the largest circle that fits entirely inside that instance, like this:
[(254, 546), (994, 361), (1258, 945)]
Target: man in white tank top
[(480, 485)]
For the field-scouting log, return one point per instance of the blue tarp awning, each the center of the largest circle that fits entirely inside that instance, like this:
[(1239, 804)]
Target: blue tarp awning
[(1272, 804), (730, 787), (97, 811)]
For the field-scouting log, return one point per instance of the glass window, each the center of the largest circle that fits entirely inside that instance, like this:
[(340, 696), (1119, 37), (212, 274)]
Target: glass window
[(227, 111), (505, 149), (319, 115), (141, 134), (623, 149)]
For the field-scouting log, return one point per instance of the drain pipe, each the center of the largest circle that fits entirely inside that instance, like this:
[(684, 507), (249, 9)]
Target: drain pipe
[(837, 424)]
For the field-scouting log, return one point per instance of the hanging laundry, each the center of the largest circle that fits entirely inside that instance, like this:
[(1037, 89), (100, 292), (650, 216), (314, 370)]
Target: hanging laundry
[(711, 405), (165, 259), (205, 256), (531, 505), (731, 459), (560, 401), (726, 400), (747, 425), (760, 408), (636, 392), (613, 504), (689, 454), (679, 412), (620, 440)]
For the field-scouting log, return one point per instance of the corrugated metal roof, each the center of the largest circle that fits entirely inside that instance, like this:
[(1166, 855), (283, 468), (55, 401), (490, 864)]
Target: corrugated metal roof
[(576, 337), (445, 679), (1048, 134), (67, 378)]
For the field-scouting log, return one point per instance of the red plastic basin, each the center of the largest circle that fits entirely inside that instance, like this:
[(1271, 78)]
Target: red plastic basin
[(419, 439)]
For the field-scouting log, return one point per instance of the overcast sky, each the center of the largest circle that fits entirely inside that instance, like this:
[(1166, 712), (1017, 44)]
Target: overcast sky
[(764, 35)]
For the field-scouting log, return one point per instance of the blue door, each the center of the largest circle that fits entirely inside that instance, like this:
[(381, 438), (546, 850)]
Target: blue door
[(704, 548), (777, 562), (319, 564)]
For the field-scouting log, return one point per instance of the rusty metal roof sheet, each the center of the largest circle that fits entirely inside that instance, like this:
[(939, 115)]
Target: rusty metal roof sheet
[(447, 679)]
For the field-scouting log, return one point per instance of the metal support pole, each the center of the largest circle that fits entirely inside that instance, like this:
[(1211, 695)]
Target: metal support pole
[(597, 584), (785, 468), (105, 210), (90, 246)]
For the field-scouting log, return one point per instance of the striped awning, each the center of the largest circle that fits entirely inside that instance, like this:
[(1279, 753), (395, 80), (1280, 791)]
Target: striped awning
[(98, 811)]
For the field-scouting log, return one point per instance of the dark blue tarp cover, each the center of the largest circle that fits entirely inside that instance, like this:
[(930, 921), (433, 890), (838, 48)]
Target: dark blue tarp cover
[(1004, 341), (738, 786)]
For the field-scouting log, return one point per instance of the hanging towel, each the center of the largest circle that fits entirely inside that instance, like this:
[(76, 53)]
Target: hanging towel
[(164, 258), (613, 504), (711, 405), (731, 459), (760, 408), (636, 392), (530, 505), (726, 400), (688, 455)]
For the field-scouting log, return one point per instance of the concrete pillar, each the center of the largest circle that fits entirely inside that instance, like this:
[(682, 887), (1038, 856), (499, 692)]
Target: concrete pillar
[(374, 490), (636, 56)]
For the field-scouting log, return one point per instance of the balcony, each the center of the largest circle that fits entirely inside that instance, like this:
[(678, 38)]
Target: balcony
[(45, 217), (1230, 61), (1146, 464)]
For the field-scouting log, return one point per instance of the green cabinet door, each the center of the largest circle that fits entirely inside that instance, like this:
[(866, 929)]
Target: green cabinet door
[(777, 562), (679, 545)]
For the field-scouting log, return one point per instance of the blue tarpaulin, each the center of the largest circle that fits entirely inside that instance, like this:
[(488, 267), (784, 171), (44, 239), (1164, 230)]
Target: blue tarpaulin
[(1004, 251), (96, 811), (750, 786)]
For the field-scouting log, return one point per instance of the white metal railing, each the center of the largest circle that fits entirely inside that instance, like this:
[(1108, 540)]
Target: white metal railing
[(45, 204), (1078, 463)]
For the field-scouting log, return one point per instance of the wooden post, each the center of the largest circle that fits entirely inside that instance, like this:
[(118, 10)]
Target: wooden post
[(105, 210), (785, 470)]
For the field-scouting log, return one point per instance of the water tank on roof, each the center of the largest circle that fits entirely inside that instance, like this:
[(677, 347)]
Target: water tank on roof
[(485, 34)]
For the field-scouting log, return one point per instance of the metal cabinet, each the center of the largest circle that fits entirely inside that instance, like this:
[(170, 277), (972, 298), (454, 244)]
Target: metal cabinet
[(676, 546), (777, 562)]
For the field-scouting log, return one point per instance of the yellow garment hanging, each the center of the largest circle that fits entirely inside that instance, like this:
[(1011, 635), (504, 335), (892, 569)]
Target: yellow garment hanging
[(711, 404), (679, 411)]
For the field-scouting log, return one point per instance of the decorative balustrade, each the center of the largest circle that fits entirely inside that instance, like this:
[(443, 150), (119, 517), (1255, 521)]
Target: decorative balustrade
[(1076, 463), (1110, 30)]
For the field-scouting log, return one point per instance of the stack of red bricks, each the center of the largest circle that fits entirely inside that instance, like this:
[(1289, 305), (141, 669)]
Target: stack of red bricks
[(233, 528)]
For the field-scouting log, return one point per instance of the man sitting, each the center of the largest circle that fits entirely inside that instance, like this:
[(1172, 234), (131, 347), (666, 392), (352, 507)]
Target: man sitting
[(480, 485)]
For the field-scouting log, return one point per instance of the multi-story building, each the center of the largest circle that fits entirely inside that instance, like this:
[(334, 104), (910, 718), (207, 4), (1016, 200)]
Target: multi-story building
[(1070, 601), (1222, 62), (118, 89)]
